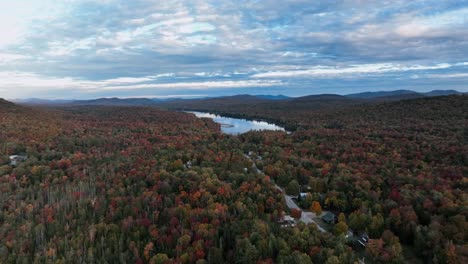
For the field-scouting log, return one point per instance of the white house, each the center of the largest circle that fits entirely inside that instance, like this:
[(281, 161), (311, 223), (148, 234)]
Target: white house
[(15, 159), (287, 221)]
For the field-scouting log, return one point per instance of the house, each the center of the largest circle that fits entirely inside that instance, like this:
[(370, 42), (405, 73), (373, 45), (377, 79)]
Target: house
[(363, 240), (15, 159), (287, 221), (304, 194), (329, 218)]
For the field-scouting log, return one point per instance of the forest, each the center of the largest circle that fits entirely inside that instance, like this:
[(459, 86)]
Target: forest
[(139, 184)]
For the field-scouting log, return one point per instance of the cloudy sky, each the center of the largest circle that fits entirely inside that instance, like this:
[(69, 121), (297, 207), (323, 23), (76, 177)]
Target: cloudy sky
[(192, 48)]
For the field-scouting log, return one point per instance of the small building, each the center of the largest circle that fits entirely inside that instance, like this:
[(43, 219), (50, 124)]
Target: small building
[(363, 240), (329, 218), (287, 221), (304, 194), (15, 159)]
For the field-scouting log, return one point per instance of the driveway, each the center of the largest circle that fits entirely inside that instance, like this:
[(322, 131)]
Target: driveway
[(306, 217)]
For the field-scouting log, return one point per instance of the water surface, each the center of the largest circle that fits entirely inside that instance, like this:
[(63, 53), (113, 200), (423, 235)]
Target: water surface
[(235, 126)]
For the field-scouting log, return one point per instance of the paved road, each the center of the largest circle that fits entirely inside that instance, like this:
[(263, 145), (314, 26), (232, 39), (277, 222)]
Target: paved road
[(290, 202), (306, 217)]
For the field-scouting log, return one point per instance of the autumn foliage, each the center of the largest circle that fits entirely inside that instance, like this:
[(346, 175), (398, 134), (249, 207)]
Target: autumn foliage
[(142, 185)]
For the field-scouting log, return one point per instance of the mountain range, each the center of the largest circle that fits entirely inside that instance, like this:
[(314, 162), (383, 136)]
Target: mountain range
[(244, 98)]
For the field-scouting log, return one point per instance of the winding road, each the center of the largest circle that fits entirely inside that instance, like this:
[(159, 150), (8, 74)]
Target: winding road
[(306, 217)]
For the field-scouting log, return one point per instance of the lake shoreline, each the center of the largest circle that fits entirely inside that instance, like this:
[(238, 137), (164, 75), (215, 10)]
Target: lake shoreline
[(236, 126), (287, 126)]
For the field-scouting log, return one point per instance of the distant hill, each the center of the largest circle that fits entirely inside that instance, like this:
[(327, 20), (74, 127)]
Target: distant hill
[(37, 101), (116, 102), (4, 103), (166, 99), (397, 97), (7, 106), (208, 103), (400, 94), (320, 97), (369, 95), (310, 101), (273, 97), (441, 92), (238, 98)]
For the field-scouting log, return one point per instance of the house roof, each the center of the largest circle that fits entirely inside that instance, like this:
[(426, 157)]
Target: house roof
[(18, 157), (328, 216)]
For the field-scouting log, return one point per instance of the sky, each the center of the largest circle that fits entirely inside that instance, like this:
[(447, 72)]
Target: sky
[(82, 49)]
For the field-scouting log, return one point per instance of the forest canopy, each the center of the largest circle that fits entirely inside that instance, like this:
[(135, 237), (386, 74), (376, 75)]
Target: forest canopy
[(119, 184)]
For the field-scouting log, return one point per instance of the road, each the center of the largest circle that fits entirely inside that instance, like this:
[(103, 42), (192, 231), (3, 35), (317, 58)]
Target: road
[(306, 217)]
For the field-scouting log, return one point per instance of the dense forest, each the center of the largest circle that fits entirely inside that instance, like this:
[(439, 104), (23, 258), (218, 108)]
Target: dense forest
[(121, 184)]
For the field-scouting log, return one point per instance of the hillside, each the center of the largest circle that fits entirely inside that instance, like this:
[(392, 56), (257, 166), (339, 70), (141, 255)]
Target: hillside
[(107, 183), (273, 97), (441, 92), (397, 97), (251, 107), (37, 101), (116, 102), (7, 106), (369, 95), (320, 101), (216, 102), (382, 166), (148, 184), (403, 94)]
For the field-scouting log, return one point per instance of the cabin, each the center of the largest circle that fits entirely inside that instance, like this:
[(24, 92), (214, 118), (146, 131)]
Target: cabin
[(329, 218), (16, 159), (287, 221)]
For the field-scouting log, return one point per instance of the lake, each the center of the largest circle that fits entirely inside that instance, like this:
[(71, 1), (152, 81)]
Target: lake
[(235, 126)]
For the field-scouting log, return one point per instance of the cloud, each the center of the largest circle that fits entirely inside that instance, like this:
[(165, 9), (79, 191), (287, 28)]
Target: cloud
[(9, 57), (432, 26), (27, 83), (198, 85), (324, 71), (84, 44), (448, 75)]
